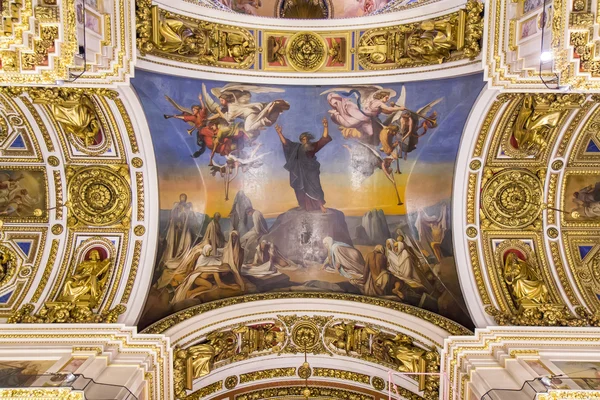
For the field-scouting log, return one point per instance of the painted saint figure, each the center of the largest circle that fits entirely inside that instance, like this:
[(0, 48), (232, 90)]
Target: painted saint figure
[(304, 168), (180, 236)]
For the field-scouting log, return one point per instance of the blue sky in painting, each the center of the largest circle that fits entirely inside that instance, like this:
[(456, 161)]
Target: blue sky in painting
[(173, 145)]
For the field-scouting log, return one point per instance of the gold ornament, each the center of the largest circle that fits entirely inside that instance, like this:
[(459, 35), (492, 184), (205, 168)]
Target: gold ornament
[(557, 165), (42, 394), (305, 335), (512, 197), (267, 374), (307, 392), (79, 120), (221, 347), (137, 162), (58, 312), (231, 382), (139, 230), (472, 232), (306, 51), (475, 165), (57, 229), (552, 233), (304, 371), (88, 282), (53, 161), (181, 38), (8, 264), (443, 39), (378, 383), (100, 195), (526, 285), (444, 323)]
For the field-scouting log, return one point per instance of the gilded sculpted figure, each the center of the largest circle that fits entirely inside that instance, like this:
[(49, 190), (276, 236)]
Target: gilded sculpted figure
[(79, 120), (402, 352), (526, 285), (351, 338), (238, 47), (88, 282), (201, 357), (177, 37), (432, 43), (532, 126)]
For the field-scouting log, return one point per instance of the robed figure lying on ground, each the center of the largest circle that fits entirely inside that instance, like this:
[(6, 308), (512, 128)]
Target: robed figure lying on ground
[(305, 170)]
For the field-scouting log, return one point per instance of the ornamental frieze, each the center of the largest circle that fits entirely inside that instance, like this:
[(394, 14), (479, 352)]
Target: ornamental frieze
[(162, 34)]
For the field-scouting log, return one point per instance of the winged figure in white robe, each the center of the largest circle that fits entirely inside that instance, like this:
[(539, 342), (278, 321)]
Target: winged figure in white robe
[(356, 110), (234, 103)]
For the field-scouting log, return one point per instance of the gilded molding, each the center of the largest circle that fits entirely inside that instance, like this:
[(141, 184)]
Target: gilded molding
[(455, 36), (42, 394), (294, 391), (450, 326), (268, 374)]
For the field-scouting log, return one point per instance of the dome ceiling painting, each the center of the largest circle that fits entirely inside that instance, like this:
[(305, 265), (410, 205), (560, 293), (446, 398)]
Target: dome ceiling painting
[(266, 188), (312, 9)]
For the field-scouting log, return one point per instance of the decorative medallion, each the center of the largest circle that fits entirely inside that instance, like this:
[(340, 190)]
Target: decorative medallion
[(231, 382), (137, 162), (475, 165), (471, 231), (552, 233), (378, 383), (512, 198), (100, 196), (305, 335), (8, 264), (304, 371), (139, 230), (557, 165), (57, 229), (53, 161), (306, 51)]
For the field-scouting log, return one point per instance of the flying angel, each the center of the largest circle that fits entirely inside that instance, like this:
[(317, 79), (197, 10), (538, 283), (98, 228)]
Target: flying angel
[(360, 118), (365, 159), (234, 103), (229, 171), (403, 129)]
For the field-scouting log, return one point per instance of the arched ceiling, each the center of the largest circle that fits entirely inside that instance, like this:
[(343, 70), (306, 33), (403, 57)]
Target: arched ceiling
[(162, 183)]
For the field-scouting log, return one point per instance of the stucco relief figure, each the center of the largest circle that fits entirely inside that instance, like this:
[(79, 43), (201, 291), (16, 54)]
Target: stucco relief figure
[(79, 120), (305, 170), (432, 43), (177, 37), (525, 284), (88, 282), (532, 126), (201, 357), (351, 338), (401, 351), (587, 200)]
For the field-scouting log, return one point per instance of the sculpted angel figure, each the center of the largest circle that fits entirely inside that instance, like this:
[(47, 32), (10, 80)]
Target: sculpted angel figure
[(359, 119), (234, 104)]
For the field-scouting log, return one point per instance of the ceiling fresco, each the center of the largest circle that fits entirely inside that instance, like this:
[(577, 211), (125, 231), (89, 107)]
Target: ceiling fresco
[(305, 188), (311, 9)]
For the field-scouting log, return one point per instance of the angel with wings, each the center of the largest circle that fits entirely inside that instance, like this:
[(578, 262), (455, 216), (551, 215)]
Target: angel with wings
[(233, 164), (360, 118), (365, 160), (402, 130), (215, 133), (234, 104)]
